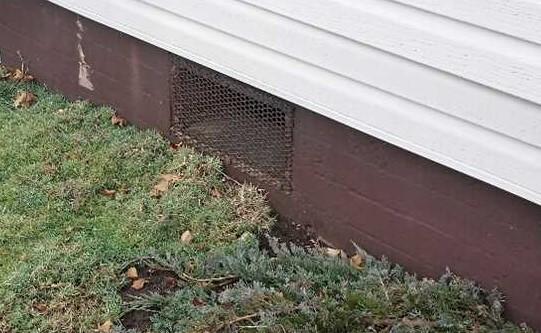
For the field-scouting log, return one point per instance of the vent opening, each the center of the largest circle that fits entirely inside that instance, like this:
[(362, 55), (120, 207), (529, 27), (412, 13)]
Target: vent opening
[(248, 128)]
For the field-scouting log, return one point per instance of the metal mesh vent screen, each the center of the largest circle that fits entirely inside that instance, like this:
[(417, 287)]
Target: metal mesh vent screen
[(248, 128)]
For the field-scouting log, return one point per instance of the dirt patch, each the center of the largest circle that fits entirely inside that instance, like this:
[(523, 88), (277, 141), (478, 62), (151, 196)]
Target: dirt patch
[(156, 282), (289, 232), (137, 320)]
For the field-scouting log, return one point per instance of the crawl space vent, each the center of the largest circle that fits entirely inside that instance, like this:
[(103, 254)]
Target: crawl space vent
[(249, 129)]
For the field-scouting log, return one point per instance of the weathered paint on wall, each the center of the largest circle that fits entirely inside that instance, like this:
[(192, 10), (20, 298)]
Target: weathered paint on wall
[(87, 60)]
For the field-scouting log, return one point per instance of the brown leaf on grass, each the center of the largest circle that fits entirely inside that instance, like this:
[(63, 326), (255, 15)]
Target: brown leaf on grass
[(117, 120), (216, 193), (18, 74), (163, 185), (197, 302), (138, 284), (132, 273), (106, 327), (357, 261), (109, 193), (175, 146), (24, 99), (186, 237), (40, 307), (336, 253), (21, 76)]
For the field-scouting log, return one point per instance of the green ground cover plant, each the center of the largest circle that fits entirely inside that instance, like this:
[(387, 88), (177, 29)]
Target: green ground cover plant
[(107, 228)]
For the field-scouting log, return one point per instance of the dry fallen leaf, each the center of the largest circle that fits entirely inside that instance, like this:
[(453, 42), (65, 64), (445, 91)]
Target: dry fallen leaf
[(132, 273), (20, 75), (24, 99), (175, 146), (109, 193), (106, 327), (163, 184), (17, 74), (139, 284), (117, 120), (357, 261), (198, 302), (40, 307), (336, 253), (216, 193), (186, 237)]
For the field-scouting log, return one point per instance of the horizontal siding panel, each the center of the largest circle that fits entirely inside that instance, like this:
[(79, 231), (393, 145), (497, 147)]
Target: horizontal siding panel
[(492, 59), (463, 145), (519, 18), (446, 93)]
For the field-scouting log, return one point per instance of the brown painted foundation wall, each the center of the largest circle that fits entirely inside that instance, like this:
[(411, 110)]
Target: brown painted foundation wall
[(347, 185), (125, 73)]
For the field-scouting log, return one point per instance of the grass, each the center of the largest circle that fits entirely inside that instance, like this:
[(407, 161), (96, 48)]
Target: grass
[(77, 207), (61, 238)]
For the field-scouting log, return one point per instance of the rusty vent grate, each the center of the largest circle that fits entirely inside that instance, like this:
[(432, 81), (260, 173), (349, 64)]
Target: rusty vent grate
[(248, 128)]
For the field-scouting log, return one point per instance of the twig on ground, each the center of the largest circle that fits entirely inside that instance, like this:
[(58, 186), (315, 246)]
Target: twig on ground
[(235, 321)]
